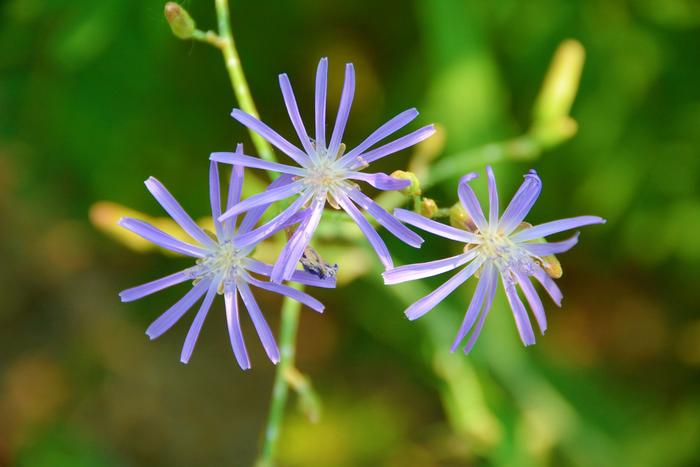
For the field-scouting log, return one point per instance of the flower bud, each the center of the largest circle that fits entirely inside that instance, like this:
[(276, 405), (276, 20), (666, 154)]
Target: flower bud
[(428, 207), (460, 219), (181, 23), (561, 83), (414, 188)]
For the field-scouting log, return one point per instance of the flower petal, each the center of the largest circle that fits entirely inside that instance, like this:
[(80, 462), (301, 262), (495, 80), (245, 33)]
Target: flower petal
[(293, 110), (553, 227), (393, 125), (534, 300), (549, 285), (236, 158), (172, 207), (395, 146), (493, 197), (380, 181), (292, 251), (431, 300), (271, 136), (436, 228), (253, 216), (372, 236), (521, 203), (385, 219), (546, 249), (140, 291), (277, 223), (261, 326), (175, 312), (522, 322), (235, 189), (343, 110), (160, 238), (287, 291), (411, 272), (302, 277), (233, 322), (266, 198), (490, 294), (471, 204), (321, 90), (473, 310), (215, 197), (197, 323)]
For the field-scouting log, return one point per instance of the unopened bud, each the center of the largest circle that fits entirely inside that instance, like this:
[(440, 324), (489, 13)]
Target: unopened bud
[(181, 23), (428, 207), (414, 188), (460, 219), (561, 83)]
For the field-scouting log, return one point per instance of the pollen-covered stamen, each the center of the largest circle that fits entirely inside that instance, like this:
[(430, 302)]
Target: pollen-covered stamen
[(503, 253), (225, 263)]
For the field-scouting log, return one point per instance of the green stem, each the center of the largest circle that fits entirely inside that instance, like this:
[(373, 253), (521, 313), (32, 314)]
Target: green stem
[(238, 82), (280, 389)]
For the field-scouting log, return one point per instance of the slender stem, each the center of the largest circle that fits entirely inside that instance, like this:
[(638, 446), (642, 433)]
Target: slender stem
[(238, 80), (280, 389)]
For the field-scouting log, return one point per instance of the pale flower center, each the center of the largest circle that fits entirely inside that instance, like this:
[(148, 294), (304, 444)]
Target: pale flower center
[(225, 262)]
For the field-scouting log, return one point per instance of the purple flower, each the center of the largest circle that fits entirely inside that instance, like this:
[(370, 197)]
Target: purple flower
[(507, 247), (325, 173), (222, 267)]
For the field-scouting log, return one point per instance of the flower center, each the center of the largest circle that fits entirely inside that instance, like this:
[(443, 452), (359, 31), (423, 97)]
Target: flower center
[(224, 263), (502, 252), (324, 175)]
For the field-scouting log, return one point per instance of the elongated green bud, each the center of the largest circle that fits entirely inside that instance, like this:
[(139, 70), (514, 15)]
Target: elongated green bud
[(561, 83), (181, 23)]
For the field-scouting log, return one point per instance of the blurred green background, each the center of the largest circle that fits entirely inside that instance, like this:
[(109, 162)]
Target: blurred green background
[(97, 96)]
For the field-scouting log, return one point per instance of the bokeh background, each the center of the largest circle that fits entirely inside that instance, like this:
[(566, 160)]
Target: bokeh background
[(97, 96)]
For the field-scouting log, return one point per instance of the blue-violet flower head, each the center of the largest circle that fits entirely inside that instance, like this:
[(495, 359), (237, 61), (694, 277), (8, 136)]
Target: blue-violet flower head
[(222, 267), (493, 247), (325, 173)]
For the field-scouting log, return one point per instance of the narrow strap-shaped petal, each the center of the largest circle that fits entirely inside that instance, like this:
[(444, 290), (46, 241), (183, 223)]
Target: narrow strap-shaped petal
[(261, 326), (235, 190), (292, 251), (431, 300), (393, 125), (255, 163), (287, 291), (172, 207), (140, 291), (215, 197), (550, 228), (380, 181), (404, 142), (372, 236), (233, 321), (521, 203), (469, 201), (266, 198), (493, 197), (553, 248), (302, 277), (293, 110), (522, 322), (490, 294), (386, 220), (160, 238), (436, 228), (534, 300), (321, 91), (412, 272), (549, 285), (253, 216), (271, 136), (343, 110), (271, 227), (175, 312), (473, 310), (197, 323)]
